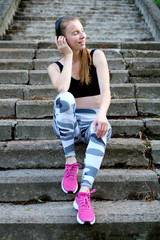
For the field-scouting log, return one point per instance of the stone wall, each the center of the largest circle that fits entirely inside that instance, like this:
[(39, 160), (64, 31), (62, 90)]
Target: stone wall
[(151, 15), (7, 12)]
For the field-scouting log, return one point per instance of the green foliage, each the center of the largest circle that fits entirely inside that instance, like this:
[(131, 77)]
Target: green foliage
[(158, 116), (147, 144), (157, 2)]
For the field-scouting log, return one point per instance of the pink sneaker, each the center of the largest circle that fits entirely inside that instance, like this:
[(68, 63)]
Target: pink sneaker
[(83, 205), (69, 181)]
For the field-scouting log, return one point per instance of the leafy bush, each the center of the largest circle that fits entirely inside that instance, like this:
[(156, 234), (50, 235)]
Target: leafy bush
[(157, 2)]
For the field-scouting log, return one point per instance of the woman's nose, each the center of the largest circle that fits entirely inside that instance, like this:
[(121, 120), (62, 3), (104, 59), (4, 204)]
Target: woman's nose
[(83, 35)]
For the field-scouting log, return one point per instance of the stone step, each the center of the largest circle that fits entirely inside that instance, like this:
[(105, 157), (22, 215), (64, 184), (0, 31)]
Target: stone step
[(86, 12), (16, 64), (109, 53), (142, 63), (43, 129), (103, 44), (48, 6), (120, 152), (144, 76), (34, 19), (14, 77), (22, 185), (43, 37), (50, 53), (132, 53), (113, 63), (48, 92), (102, 33), (32, 109), (90, 44), (118, 108), (13, 53), (43, 2), (18, 44), (123, 219), (42, 64), (86, 22), (41, 77), (118, 91)]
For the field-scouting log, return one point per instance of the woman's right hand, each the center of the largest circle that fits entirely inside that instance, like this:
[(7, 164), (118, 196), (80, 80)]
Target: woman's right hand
[(63, 46)]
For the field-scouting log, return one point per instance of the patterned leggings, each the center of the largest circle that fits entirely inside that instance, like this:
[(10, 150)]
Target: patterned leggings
[(73, 125)]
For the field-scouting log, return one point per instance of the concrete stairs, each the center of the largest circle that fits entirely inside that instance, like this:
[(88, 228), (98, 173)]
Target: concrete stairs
[(32, 159), (112, 20), (126, 203)]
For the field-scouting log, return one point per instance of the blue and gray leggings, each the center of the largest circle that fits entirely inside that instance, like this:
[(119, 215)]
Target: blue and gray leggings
[(73, 125)]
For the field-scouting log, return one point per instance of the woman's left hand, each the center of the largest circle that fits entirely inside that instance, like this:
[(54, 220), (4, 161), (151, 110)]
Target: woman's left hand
[(100, 125)]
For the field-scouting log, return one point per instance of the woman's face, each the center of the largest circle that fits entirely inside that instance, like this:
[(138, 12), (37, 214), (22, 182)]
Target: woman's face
[(75, 35)]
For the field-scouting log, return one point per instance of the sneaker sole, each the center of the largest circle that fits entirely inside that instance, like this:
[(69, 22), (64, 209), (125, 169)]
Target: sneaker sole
[(68, 191), (75, 205)]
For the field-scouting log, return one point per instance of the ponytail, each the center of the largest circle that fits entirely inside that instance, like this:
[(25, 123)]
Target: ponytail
[(85, 63)]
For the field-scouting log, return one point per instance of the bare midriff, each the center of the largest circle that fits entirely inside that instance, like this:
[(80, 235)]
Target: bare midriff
[(90, 102)]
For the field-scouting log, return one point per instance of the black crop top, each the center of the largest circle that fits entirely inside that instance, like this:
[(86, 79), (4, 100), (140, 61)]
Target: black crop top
[(84, 90)]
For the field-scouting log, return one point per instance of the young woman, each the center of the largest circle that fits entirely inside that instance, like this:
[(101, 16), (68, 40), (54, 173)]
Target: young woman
[(82, 79)]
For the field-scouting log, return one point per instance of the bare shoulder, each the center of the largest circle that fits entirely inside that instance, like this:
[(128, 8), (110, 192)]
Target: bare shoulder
[(53, 67), (99, 57)]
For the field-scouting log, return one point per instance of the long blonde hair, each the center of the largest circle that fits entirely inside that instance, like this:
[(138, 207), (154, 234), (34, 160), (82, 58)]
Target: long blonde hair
[(85, 58)]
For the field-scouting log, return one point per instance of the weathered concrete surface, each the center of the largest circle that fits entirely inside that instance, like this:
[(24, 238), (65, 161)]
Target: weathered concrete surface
[(5, 130), (93, 14), (114, 221), (152, 126), (134, 53), (49, 153), (13, 76), (155, 146), (144, 76), (142, 63), (141, 45), (18, 44), (34, 109), (40, 91), (11, 91), (151, 90), (111, 184), (122, 90), (7, 108), (127, 127), (147, 107), (16, 53), (124, 107), (31, 129), (19, 64)]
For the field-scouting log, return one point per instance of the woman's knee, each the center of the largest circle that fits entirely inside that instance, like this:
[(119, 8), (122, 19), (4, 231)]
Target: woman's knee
[(66, 96), (65, 101)]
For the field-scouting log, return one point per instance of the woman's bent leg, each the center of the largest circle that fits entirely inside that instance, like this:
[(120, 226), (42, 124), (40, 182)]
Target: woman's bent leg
[(67, 129), (64, 124), (94, 155)]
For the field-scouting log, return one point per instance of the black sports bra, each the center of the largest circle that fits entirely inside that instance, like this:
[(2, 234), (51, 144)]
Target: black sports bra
[(84, 90)]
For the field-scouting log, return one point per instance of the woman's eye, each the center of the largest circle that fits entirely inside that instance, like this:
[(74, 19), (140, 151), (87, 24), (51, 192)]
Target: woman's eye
[(75, 33)]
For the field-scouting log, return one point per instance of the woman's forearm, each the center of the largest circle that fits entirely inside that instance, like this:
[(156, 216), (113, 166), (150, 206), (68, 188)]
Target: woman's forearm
[(105, 102), (63, 81)]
